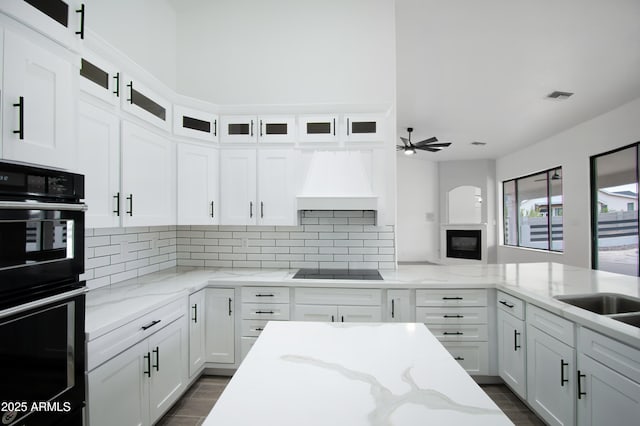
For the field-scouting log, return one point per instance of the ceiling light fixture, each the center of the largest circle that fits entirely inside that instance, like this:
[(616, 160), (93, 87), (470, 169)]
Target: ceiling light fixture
[(558, 95), (409, 151)]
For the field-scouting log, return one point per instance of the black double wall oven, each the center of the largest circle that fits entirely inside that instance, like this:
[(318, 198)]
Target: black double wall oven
[(42, 301)]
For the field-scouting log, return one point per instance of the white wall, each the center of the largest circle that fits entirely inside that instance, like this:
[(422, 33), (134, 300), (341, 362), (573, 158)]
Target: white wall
[(287, 51), (417, 196), (144, 30), (570, 149)]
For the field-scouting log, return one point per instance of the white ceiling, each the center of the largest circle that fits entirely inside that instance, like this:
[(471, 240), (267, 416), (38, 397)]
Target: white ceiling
[(470, 70)]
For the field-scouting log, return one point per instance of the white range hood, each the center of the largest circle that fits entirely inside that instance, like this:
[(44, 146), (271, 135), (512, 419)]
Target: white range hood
[(337, 180)]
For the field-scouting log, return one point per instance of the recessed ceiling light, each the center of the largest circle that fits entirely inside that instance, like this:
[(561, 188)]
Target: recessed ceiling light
[(476, 143), (559, 95)]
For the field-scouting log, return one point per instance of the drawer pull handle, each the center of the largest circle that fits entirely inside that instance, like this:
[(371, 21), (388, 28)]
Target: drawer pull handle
[(516, 346), (148, 358), (452, 298), (453, 316), (507, 304), (459, 358), (265, 295), (151, 324), (453, 333), (562, 379), (580, 393), (265, 312), (259, 328)]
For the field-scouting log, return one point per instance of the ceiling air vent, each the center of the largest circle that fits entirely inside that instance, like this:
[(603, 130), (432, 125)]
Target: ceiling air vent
[(559, 95)]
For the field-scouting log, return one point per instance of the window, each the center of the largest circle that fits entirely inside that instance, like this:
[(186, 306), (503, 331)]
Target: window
[(532, 211)]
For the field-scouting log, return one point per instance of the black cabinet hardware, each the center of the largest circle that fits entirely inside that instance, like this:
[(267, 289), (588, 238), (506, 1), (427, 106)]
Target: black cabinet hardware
[(215, 127), (562, 379), (580, 393), (20, 105), (342, 318), (332, 318), (516, 346), (459, 358), (453, 316), (452, 298), (264, 295), (151, 324), (148, 358), (250, 209), (130, 199), (506, 304), (334, 127), (251, 127), (260, 128), (117, 198), (117, 80), (393, 308), (453, 333), (261, 209), (230, 306), (212, 210), (195, 313), (259, 328), (348, 127), (157, 352), (130, 86), (265, 312), (81, 12)]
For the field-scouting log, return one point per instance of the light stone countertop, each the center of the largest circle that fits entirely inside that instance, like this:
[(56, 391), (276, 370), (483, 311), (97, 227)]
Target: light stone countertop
[(376, 374), (112, 306)]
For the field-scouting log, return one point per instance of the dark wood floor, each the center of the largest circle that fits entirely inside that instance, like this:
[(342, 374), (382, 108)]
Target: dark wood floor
[(196, 403)]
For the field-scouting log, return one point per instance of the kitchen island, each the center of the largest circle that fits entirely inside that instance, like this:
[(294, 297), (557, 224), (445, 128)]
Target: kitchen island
[(308, 373)]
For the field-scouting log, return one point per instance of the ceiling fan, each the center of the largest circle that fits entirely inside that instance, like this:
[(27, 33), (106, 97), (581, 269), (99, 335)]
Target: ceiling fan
[(409, 147), (554, 176)]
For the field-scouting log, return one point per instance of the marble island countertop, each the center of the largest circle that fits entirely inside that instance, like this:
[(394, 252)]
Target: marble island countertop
[(538, 283), (379, 374)]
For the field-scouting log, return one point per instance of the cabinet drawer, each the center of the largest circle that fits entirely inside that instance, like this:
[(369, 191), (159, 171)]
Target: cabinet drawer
[(551, 324), (253, 328), (265, 295), (452, 315), (463, 332), (338, 296), (268, 311), (445, 297), (612, 353), (246, 343), (510, 304), (472, 356), (111, 344)]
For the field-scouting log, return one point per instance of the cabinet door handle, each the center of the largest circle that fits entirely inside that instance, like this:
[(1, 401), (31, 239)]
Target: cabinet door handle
[(452, 298), (195, 313), (81, 12), (261, 128), (230, 301), (157, 352), (148, 358), (580, 393), (117, 198), (20, 105), (393, 308), (261, 209), (151, 324), (510, 306), (251, 127), (342, 318), (130, 199), (250, 209), (454, 333), (117, 80), (130, 86), (215, 127), (562, 379), (212, 209), (453, 316), (516, 346), (332, 318), (347, 127), (334, 127)]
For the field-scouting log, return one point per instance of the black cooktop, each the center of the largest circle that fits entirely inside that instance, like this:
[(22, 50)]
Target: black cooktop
[(338, 274)]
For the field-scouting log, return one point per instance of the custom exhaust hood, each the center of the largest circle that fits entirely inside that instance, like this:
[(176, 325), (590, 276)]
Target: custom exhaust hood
[(337, 180)]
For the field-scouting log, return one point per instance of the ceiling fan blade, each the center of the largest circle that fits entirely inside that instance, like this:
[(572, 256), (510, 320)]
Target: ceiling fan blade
[(400, 148), (428, 148), (426, 141), (405, 141), (437, 145)]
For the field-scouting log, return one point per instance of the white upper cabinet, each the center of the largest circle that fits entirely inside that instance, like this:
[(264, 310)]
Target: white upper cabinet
[(197, 185), (148, 178), (238, 187), (63, 21), (99, 78), (317, 128), (145, 103), (99, 161), (364, 128), (39, 108), (196, 124), (275, 188), (265, 129)]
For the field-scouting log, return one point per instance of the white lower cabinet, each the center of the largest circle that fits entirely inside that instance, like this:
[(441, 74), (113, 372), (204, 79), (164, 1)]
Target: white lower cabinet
[(338, 305), (608, 382), (398, 308), (512, 352), (259, 306), (140, 384), (338, 313), (197, 336), (220, 325), (472, 356)]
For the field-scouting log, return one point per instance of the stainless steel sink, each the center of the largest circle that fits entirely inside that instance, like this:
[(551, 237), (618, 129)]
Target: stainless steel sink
[(603, 303), (631, 319)]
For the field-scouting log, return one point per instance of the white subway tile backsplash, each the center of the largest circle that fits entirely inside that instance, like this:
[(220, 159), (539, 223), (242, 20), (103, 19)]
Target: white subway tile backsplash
[(318, 243), (333, 236)]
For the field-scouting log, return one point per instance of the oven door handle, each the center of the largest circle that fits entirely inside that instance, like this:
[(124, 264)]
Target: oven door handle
[(29, 205)]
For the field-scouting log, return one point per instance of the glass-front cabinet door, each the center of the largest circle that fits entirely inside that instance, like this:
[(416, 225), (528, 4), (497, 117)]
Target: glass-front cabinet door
[(276, 129), (317, 128), (196, 124), (364, 128), (238, 129), (99, 78), (145, 103)]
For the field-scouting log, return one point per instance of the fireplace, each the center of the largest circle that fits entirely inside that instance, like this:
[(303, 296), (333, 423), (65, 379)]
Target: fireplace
[(464, 244)]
